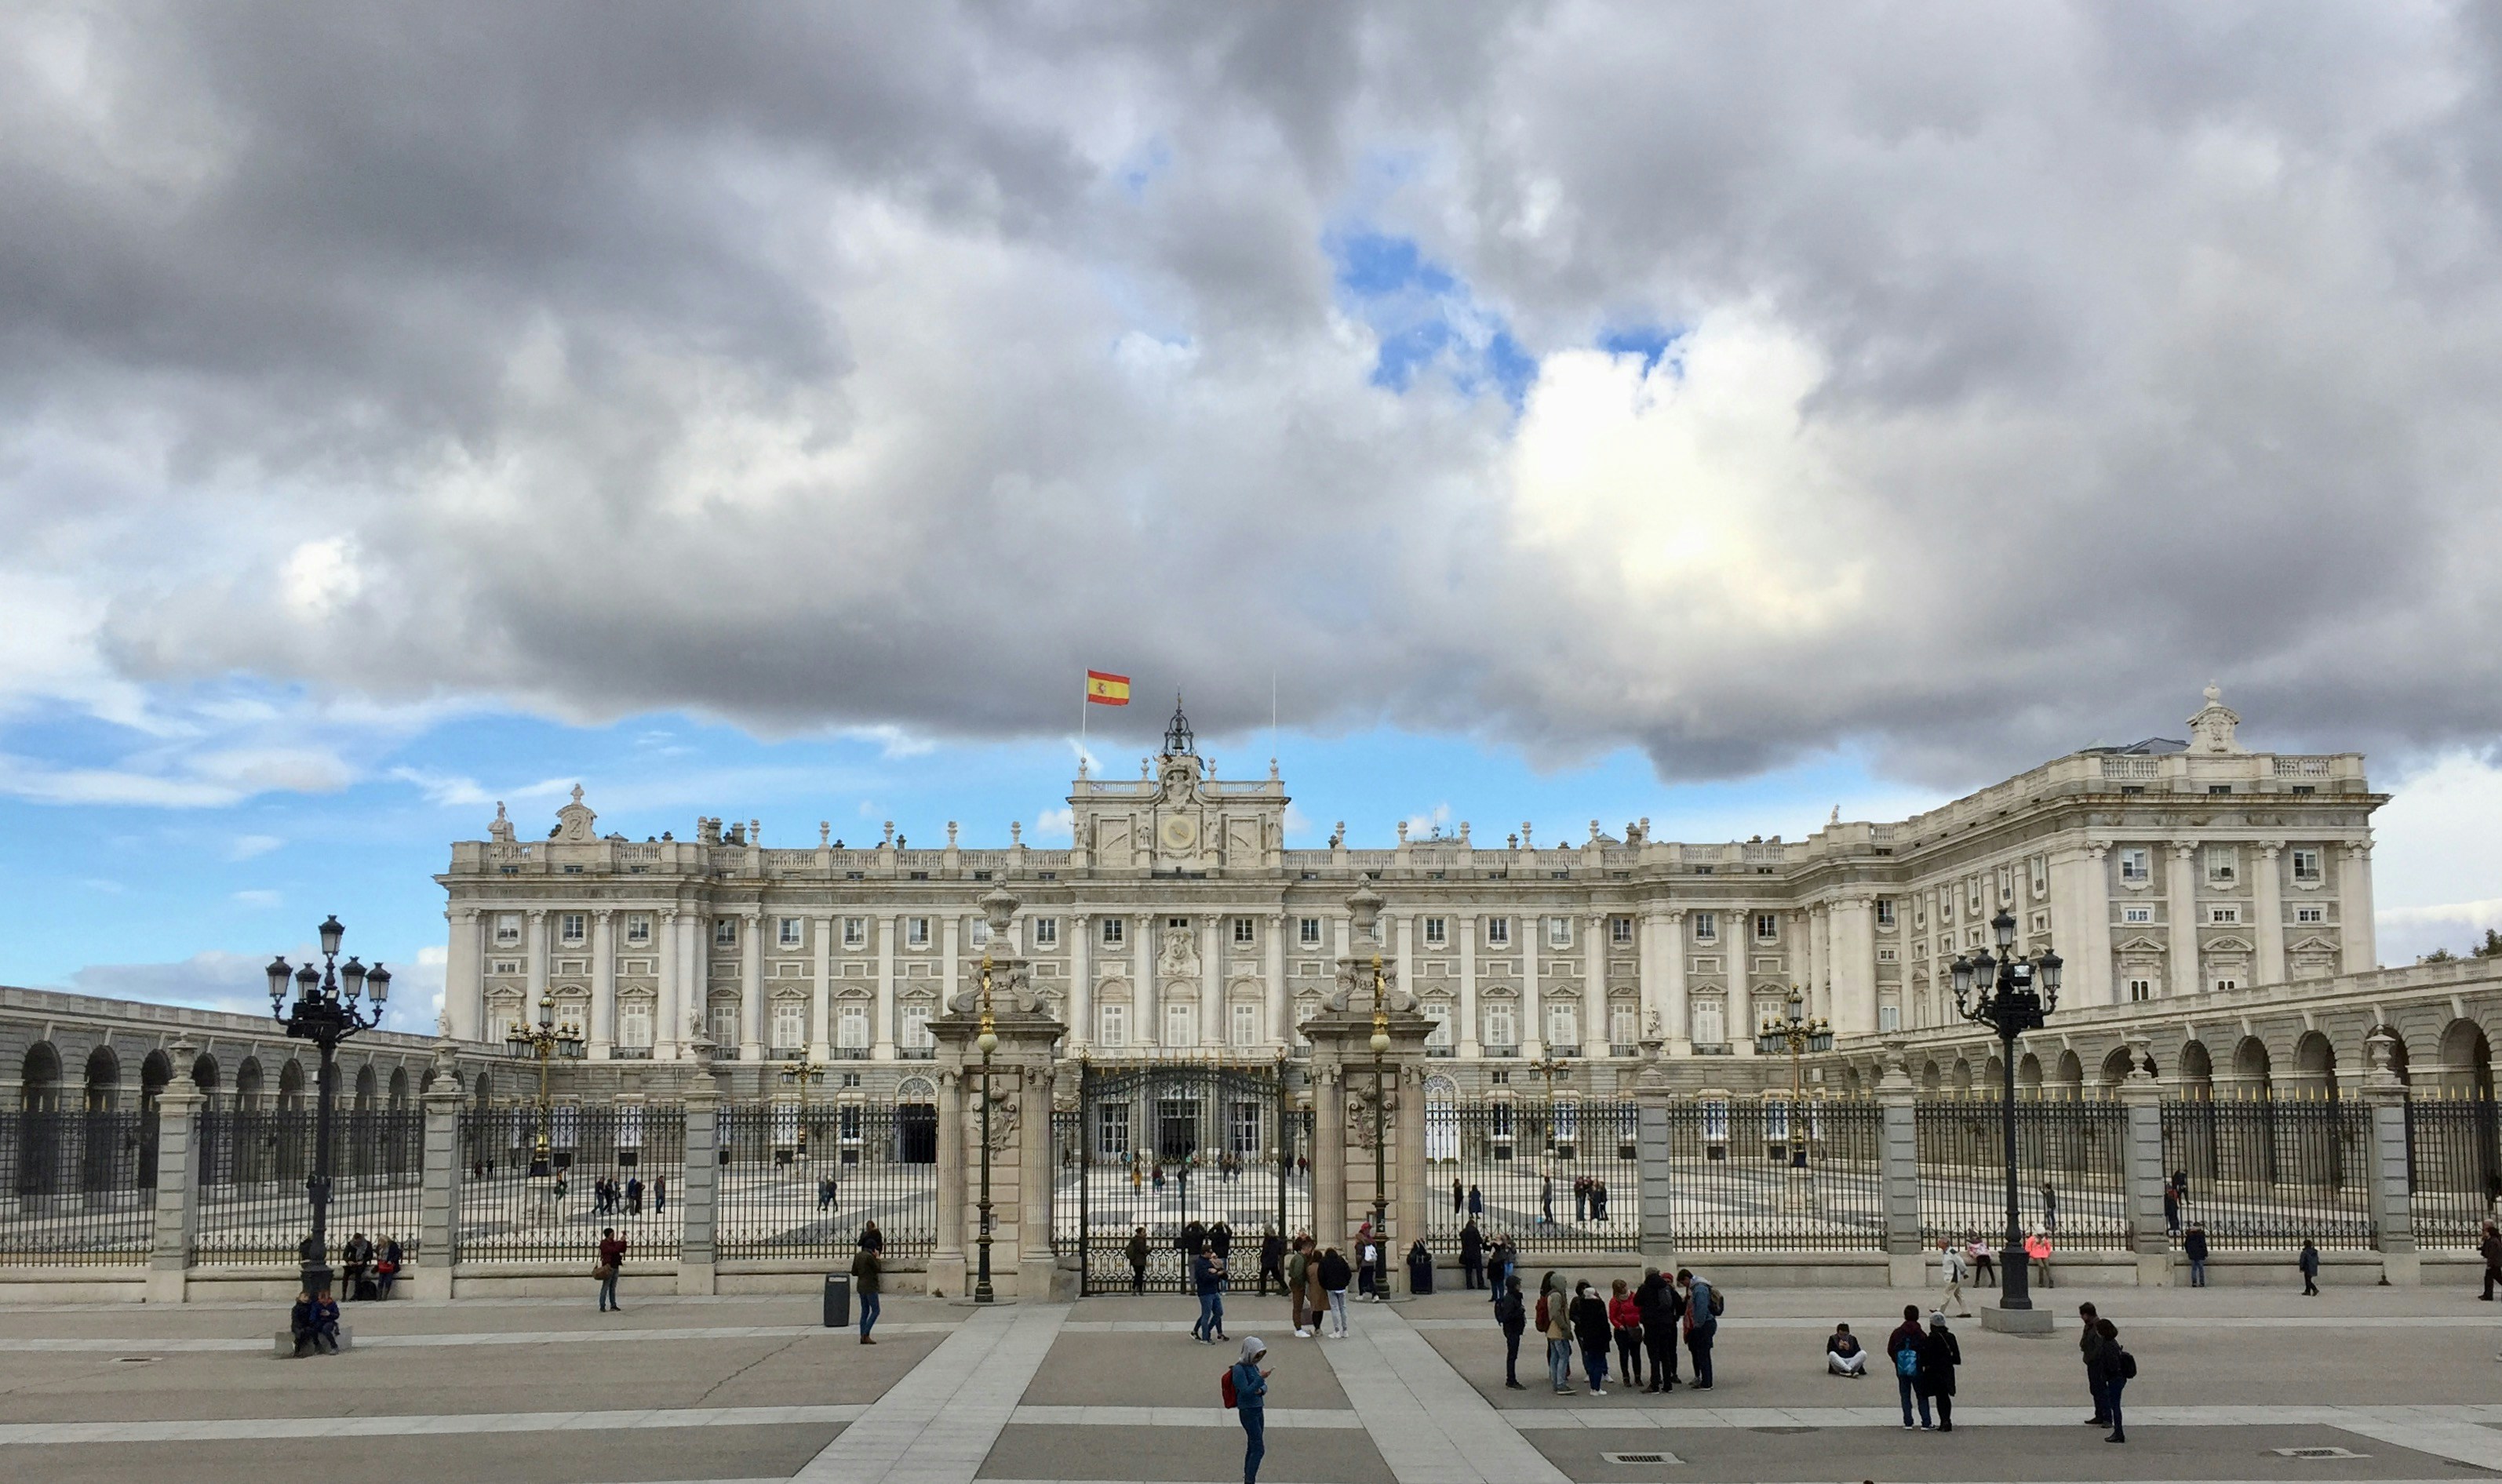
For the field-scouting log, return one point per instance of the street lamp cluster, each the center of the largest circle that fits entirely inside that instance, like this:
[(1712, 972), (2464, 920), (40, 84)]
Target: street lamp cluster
[(547, 1041), (327, 1010), (987, 1043), (2011, 994), (1798, 1034)]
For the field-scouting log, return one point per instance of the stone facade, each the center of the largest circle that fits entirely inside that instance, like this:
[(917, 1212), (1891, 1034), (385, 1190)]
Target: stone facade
[(2170, 874)]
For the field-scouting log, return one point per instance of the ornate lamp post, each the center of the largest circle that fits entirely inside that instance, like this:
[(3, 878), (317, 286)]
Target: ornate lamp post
[(1797, 1034), (804, 1075), (2010, 995), (325, 1013), (1552, 1069), (545, 1041), (1380, 1124), (988, 1041)]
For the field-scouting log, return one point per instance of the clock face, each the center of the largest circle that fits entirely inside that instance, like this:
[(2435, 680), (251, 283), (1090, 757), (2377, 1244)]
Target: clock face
[(1179, 832)]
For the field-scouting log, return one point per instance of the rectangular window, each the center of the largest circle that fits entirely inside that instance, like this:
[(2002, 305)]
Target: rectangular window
[(788, 932), (1885, 912), (724, 932), (572, 927), (2223, 915), (1176, 922), (981, 935), (1245, 1026), (1767, 926), (1884, 956), (1889, 1017), (854, 932), (2136, 914), (1563, 1031), (851, 1028), (2224, 863), (2006, 885), (1182, 1025), (916, 1034), (1242, 931), (916, 933), (1502, 1028), (1047, 933), (508, 927), (2310, 915), (2140, 990), (638, 929), (1497, 933), (1439, 1014), (1624, 1027), (1114, 1021), (1620, 929), (2135, 864), (1438, 931), (1115, 929), (1559, 932), (2305, 865), (634, 1024), (1112, 1129), (2219, 788), (1307, 931), (790, 1025), (1708, 1029), (2222, 985)]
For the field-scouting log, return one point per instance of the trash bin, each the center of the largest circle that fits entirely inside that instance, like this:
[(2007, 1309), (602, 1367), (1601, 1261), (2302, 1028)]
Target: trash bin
[(838, 1300)]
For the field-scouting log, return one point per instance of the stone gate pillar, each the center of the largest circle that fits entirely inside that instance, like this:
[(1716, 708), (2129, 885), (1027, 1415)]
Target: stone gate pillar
[(2140, 1169), (2386, 1163), (178, 1179), (438, 1211), (1898, 1163), (1353, 1134), (1000, 997)]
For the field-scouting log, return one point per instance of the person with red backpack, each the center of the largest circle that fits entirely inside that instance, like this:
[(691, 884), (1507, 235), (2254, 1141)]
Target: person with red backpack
[(1245, 1389)]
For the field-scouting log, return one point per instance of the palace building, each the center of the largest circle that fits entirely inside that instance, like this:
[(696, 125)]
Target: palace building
[(1178, 924)]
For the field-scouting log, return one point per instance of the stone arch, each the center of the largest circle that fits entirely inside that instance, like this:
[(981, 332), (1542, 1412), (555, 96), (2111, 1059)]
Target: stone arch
[(366, 1088), (290, 1086), (2114, 1068), (249, 1083), (1932, 1080), (2466, 1056), (484, 1092), (203, 1072), (2028, 1075), (2314, 1064), (2071, 1079), (2197, 1075), (38, 1079), (103, 1080), (1993, 1076), (2250, 1064), (1960, 1075), (398, 1094), (2397, 1048)]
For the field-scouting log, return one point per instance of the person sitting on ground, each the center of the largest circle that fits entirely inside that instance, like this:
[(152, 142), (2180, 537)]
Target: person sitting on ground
[(1843, 1355), (299, 1322), (326, 1323)]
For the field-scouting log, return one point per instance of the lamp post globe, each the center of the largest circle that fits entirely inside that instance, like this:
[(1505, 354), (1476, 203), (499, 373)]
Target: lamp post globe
[(332, 1003), (2012, 994)]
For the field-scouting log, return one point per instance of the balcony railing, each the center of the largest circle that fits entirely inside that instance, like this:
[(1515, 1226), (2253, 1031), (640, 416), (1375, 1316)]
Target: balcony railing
[(851, 1052), (1623, 1049), (916, 1053)]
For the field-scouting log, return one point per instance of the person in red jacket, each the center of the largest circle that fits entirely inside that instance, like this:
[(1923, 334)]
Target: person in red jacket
[(1624, 1316)]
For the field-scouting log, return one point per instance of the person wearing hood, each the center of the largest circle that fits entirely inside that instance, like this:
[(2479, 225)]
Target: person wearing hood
[(1251, 1404), (1661, 1307), (1940, 1354), (1554, 1320), (1590, 1327)]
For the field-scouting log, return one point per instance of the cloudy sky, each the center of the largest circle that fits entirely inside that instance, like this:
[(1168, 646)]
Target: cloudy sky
[(1709, 413)]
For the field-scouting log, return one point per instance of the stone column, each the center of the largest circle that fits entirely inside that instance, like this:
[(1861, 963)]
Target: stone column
[(602, 1030), (2180, 909), (750, 987), (1408, 1172), (1897, 1154), (1281, 1029), (1146, 996), (821, 991), (882, 1037), (951, 951), (1737, 1006), (438, 1201), (2142, 1172), (2355, 927), (1081, 981), (535, 967), (1651, 1132), (2266, 908), (1533, 1003), (178, 1179), (465, 979), (1854, 966), (947, 1267), (1037, 1265), (1819, 961), (1465, 925), (2386, 1163), (1329, 1153), (1598, 977), (1402, 946), (701, 1199), (1211, 981)]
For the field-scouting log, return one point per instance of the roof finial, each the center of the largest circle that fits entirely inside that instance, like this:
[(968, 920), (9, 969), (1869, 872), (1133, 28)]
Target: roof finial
[(1179, 741)]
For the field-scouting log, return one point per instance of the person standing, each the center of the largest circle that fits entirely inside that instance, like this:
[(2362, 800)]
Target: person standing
[(1950, 1265), (2089, 1346), (2171, 1210), (1555, 1322), (1590, 1327), (1272, 1260), (867, 1264), (2491, 1248), (2037, 1252), (1940, 1354), (634, 1196), (1420, 1269), (1333, 1280), (1984, 1265), (1513, 1317), (1220, 1240), (1298, 1275), (659, 1194), (1458, 1196), (1205, 1269), (1377, 1275), (1476, 1203), (2050, 1207), (2194, 1244), (1502, 1263), (612, 1257), (1137, 1256), (1623, 1317), (2117, 1368), (2308, 1262), (1250, 1404), (1471, 1257), (1701, 1325), (1661, 1307), (1547, 1201), (1903, 1348)]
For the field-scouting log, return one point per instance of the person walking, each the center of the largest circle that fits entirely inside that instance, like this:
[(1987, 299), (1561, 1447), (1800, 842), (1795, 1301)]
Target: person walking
[(1951, 1267), (634, 1196), (1299, 1265), (2089, 1347), (1903, 1348), (1458, 1196), (1661, 1307), (1137, 1255), (1334, 1281), (2117, 1368), (1512, 1316), (659, 1194), (1472, 1274), (1701, 1325), (1590, 1327), (868, 1265), (1250, 1404), (1316, 1298), (2308, 1262), (1623, 1317), (1555, 1322), (2491, 1248), (1273, 1261), (1476, 1203), (1205, 1270), (1940, 1354), (1547, 1201), (2193, 1243), (612, 1257)]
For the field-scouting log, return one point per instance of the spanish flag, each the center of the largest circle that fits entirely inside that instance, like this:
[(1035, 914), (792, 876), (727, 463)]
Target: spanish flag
[(1104, 690)]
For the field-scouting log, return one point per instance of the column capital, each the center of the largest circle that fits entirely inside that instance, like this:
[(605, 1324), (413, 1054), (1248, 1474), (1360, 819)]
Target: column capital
[(602, 914), (537, 913), (751, 915), (463, 913), (2097, 849), (2185, 849), (2359, 852), (2271, 849)]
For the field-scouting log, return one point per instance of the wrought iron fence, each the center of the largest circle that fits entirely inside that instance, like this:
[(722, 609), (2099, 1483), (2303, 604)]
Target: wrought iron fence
[(1163, 1148), (2271, 1172), (1554, 1177), (2070, 1173), (82, 1186), (805, 1185), (254, 1207), (1747, 1176), (622, 1166), (2455, 1166)]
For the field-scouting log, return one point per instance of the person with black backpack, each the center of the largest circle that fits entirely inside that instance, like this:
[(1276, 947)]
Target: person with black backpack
[(1702, 1308), (2116, 1368), (1513, 1315), (1661, 1309)]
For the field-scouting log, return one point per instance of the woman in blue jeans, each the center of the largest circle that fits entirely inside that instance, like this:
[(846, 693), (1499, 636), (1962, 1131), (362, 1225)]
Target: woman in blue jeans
[(1251, 1402)]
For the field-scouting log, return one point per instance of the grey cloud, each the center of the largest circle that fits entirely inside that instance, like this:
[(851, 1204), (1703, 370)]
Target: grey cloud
[(868, 365)]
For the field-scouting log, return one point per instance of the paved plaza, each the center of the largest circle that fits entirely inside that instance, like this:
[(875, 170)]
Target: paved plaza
[(752, 1388)]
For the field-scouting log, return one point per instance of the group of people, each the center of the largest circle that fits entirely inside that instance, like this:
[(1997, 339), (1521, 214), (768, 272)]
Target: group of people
[(612, 1197), (369, 1267), (314, 1322), (1642, 1327), (1589, 1199), (1924, 1362)]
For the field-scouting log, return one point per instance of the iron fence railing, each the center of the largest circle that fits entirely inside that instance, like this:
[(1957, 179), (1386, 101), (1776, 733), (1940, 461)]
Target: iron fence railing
[(2454, 1163), (1553, 1178), (2271, 1172), (798, 1184), (509, 1213), (2070, 1178), (82, 1186), (1163, 1147), (1749, 1176), (254, 1205)]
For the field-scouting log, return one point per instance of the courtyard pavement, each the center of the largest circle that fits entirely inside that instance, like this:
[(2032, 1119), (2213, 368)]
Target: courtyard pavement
[(2231, 1382)]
